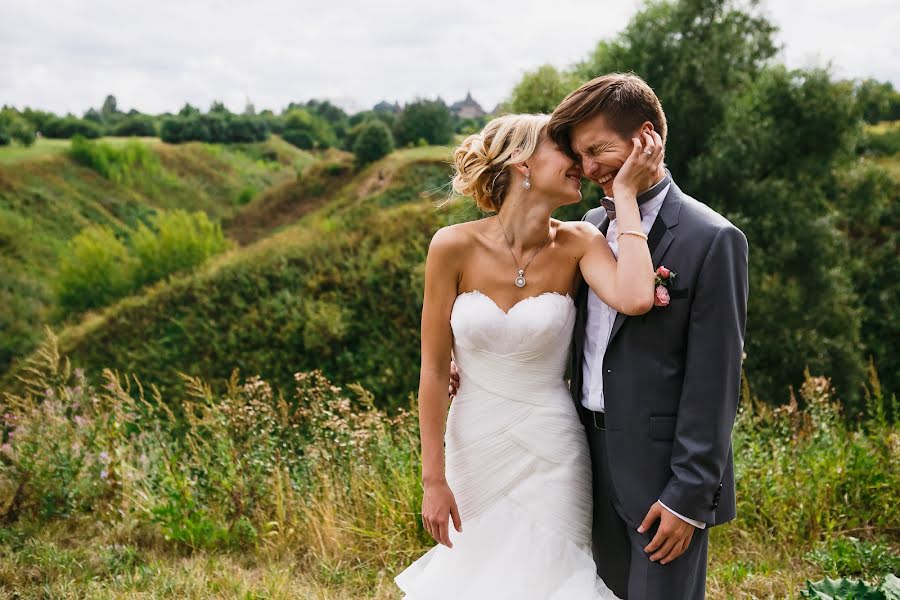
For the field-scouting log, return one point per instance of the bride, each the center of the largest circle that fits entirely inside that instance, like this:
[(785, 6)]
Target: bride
[(510, 503)]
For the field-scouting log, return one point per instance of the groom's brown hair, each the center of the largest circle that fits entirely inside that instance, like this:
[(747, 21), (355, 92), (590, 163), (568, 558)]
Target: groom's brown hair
[(624, 99)]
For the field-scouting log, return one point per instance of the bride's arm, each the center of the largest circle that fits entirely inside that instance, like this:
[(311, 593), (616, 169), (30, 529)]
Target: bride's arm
[(441, 276), (627, 284)]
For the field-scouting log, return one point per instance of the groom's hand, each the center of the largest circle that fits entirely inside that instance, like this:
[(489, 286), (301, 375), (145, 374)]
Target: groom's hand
[(454, 379), (672, 538)]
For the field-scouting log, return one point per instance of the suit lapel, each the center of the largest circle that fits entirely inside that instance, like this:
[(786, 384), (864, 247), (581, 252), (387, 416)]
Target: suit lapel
[(659, 239)]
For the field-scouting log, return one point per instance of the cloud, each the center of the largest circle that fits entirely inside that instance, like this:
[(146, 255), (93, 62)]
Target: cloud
[(66, 55)]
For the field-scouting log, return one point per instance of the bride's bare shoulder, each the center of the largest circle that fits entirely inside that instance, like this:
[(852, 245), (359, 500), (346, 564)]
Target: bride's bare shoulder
[(578, 231), (454, 239)]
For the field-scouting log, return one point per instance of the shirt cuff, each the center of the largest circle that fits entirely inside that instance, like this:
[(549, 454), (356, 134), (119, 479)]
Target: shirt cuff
[(697, 524)]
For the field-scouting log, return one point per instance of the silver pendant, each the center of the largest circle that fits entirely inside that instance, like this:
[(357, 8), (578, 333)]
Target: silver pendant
[(520, 280)]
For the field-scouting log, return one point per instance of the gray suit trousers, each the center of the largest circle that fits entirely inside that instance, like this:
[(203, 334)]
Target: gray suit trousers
[(619, 548)]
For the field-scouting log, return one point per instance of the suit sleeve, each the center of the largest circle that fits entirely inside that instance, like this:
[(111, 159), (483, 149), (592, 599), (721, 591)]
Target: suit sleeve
[(711, 389)]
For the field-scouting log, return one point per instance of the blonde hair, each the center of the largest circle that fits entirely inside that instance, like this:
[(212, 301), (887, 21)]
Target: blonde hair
[(482, 159)]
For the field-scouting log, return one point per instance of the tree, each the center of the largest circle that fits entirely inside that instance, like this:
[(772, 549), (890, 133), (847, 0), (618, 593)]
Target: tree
[(69, 126), (307, 131), (427, 120), (373, 141), (770, 169), (109, 108), (13, 126), (540, 91), (696, 55), (878, 101), (135, 125)]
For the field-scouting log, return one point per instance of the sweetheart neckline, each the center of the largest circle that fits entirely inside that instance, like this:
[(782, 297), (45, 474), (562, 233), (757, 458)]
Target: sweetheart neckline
[(507, 312)]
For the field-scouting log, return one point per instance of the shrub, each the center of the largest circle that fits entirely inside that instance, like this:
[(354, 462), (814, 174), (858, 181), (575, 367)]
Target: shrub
[(885, 142), (298, 137), (67, 127), (136, 125), (95, 269), (307, 131), (117, 164), (175, 130), (844, 589), (373, 141), (175, 241), (13, 126)]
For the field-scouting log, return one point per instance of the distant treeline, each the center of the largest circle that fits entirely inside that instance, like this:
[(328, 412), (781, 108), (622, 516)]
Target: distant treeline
[(315, 124)]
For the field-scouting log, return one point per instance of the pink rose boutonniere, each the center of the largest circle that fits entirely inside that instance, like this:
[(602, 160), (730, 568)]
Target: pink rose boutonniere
[(663, 278)]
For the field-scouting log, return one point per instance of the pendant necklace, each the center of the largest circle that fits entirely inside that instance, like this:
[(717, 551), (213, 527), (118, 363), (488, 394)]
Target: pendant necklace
[(520, 280)]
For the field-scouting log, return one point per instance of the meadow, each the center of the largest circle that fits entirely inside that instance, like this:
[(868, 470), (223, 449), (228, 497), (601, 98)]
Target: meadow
[(313, 492), (209, 342)]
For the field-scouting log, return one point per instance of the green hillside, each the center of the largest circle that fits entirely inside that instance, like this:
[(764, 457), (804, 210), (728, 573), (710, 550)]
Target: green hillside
[(339, 290), (46, 198)]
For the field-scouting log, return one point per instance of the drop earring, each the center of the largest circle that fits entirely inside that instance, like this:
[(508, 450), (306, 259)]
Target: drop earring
[(527, 183)]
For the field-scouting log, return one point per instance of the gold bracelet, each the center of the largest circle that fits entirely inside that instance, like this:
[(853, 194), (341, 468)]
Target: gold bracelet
[(639, 234)]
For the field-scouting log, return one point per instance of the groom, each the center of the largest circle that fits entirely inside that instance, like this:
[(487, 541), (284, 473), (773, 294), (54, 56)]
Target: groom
[(657, 393)]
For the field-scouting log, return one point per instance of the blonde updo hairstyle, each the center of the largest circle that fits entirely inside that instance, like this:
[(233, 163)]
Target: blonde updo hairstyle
[(483, 159)]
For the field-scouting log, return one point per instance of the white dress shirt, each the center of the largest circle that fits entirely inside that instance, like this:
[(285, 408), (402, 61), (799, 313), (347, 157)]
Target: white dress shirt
[(600, 319)]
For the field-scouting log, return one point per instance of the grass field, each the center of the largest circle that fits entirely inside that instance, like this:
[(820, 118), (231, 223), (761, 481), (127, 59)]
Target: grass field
[(47, 148)]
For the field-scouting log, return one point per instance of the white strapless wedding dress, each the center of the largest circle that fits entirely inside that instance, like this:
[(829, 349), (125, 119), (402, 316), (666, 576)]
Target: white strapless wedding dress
[(517, 462)]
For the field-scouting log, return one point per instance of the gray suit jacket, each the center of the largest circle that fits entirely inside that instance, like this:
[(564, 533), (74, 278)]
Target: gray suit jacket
[(671, 377)]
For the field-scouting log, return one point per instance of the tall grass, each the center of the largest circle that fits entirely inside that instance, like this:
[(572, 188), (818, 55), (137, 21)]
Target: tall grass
[(318, 485)]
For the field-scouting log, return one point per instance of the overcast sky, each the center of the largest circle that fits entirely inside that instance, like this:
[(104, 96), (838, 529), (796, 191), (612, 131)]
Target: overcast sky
[(66, 55)]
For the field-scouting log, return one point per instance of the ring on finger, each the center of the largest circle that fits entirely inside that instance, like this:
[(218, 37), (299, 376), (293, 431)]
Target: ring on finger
[(648, 152)]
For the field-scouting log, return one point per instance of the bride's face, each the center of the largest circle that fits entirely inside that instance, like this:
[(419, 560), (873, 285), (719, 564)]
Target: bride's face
[(554, 173)]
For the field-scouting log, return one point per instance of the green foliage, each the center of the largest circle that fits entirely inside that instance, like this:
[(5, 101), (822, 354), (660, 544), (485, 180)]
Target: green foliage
[(770, 169), (314, 473), (855, 557), (68, 127), (136, 125), (539, 91), (119, 164), (372, 141), (96, 269), (696, 55), (884, 141), (844, 589), (868, 199), (217, 126), (38, 118), (307, 131), (878, 100), (799, 470), (174, 241), (14, 127), (428, 120)]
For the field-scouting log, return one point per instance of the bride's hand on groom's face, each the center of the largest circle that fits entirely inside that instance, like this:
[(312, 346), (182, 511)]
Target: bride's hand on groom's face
[(672, 537), (638, 173), (438, 508)]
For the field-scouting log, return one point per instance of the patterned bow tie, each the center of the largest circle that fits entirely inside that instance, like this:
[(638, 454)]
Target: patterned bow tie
[(610, 205)]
